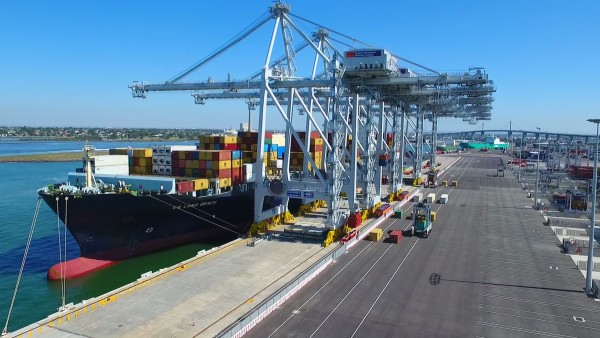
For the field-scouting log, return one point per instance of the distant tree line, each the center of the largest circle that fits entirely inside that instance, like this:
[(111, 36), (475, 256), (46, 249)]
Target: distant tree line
[(109, 134)]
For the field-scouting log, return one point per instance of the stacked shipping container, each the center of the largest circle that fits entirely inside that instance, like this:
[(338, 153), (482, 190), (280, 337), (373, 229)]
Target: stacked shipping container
[(140, 161), (226, 165), (210, 142), (315, 150), (273, 147), (161, 158)]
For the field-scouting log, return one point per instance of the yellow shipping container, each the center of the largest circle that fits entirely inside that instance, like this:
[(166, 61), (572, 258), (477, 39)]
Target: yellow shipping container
[(225, 164), (182, 155), (225, 182), (188, 164), (236, 163), (433, 216), (230, 139), (142, 152), (143, 161), (375, 234), (188, 171), (200, 184), (317, 141), (195, 164)]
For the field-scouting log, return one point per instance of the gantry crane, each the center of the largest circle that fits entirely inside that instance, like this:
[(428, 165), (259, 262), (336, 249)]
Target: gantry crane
[(342, 95)]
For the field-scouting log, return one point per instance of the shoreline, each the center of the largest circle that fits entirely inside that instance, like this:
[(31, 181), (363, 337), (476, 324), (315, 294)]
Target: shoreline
[(48, 157)]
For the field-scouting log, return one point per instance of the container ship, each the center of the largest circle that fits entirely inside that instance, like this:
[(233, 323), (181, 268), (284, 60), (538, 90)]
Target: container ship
[(137, 201)]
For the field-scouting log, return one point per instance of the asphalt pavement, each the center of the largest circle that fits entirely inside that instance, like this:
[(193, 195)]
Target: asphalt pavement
[(489, 269)]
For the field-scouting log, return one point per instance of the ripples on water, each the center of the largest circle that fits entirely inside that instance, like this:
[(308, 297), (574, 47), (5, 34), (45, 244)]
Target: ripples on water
[(38, 297)]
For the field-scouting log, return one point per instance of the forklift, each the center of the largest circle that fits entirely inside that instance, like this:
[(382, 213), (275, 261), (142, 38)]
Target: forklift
[(421, 220)]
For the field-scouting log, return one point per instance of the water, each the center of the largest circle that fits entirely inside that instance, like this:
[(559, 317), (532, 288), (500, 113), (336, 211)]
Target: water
[(37, 297)]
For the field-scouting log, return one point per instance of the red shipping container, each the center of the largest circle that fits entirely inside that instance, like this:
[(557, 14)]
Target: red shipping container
[(201, 164), (395, 236), (175, 159), (223, 173), (230, 146), (220, 155), (185, 186)]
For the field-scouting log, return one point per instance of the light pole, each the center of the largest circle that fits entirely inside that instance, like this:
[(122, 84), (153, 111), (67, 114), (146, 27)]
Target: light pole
[(590, 258), (520, 147), (537, 171)]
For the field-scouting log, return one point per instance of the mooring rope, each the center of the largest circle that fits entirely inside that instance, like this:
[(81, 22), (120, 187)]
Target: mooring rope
[(63, 275), (12, 302)]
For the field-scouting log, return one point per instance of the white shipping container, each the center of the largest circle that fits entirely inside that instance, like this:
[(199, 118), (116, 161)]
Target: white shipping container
[(165, 170), (418, 197), (430, 198), (444, 199), (279, 164), (278, 139), (107, 160), (247, 171), (113, 169), (169, 149)]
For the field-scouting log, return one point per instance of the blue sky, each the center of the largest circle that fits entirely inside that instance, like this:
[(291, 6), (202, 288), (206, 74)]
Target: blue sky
[(68, 63)]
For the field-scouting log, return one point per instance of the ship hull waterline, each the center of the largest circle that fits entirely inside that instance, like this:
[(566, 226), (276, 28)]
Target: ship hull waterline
[(114, 227)]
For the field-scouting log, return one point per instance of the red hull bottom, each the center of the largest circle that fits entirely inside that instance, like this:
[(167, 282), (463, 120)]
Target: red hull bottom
[(77, 267)]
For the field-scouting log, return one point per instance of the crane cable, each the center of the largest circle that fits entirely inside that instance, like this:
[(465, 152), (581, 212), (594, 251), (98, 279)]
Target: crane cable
[(12, 302)]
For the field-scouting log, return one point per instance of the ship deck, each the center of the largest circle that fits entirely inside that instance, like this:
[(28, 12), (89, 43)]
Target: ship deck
[(490, 268)]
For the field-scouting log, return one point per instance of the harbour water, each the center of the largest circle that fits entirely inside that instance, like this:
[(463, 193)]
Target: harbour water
[(37, 297)]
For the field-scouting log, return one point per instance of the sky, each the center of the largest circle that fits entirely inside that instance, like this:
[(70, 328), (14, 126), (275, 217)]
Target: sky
[(69, 63)]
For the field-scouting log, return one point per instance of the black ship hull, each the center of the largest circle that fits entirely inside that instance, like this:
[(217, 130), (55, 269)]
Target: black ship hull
[(121, 225)]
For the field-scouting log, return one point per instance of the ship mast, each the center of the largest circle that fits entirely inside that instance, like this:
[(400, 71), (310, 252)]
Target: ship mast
[(89, 181)]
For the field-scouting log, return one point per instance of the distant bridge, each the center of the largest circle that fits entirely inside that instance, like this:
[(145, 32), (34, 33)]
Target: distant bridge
[(566, 137)]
